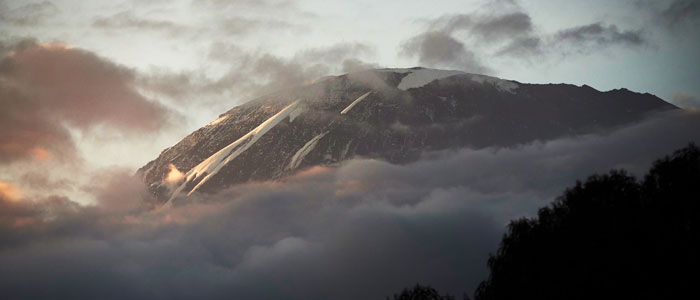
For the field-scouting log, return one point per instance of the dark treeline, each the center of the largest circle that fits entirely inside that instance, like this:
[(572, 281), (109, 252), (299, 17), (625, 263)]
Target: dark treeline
[(610, 237)]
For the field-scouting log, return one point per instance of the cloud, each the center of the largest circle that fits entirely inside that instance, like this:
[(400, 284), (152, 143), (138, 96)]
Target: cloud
[(599, 35), (29, 14), (128, 20), (48, 89), (686, 101), (334, 54), (351, 65), (242, 25), (522, 47), (42, 181), (486, 28), (9, 192), (504, 29), (438, 49), (510, 32), (672, 15), (681, 11), (363, 230), (251, 75)]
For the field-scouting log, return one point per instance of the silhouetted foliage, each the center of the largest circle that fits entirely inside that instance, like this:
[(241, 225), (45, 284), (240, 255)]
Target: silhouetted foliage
[(609, 237), (419, 292)]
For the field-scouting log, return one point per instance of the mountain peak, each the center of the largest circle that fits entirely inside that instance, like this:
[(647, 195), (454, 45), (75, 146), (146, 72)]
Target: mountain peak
[(391, 114)]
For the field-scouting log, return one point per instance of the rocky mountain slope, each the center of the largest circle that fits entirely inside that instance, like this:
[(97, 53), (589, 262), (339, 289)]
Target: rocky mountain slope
[(390, 114)]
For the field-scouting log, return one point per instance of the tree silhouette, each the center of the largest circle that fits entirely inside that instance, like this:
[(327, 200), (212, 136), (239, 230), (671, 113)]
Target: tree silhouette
[(420, 292), (609, 237)]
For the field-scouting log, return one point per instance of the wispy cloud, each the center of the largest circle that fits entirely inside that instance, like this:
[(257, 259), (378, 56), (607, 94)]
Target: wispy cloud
[(29, 14), (128, 20), (504, 29)]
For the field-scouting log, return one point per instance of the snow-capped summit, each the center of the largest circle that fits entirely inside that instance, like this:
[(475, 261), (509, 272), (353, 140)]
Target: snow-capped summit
[(389, 114)]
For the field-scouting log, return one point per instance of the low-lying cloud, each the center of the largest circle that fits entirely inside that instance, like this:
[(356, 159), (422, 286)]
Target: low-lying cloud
[(359, 231)]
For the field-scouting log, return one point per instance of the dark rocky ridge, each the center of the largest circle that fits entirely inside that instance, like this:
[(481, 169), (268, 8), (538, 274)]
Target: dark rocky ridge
[(463, 110)]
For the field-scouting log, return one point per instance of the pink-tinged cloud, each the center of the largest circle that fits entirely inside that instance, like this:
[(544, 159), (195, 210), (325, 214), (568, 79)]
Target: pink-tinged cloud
[(9, 192), (47, 88)]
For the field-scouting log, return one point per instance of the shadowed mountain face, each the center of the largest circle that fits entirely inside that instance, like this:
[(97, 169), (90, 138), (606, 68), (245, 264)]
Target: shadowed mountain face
[(389, 114)]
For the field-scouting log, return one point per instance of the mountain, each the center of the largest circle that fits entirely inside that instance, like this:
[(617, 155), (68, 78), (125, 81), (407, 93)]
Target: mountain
[(389, 114)]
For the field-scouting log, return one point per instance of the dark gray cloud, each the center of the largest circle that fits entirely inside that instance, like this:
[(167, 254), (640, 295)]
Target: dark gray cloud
[(40, 102), (522, 47), (680, 12), (486, 28), (672, 15), (363, 230), (599, 35), (583, 39), (512, 33), (439, 49), (504, 29), (29, 14), (504, 26)]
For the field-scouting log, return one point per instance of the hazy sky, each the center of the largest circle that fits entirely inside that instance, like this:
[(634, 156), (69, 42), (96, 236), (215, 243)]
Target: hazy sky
[(199, 58)]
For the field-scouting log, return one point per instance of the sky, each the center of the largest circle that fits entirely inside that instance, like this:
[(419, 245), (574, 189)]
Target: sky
[(92, 90), (199, 58)]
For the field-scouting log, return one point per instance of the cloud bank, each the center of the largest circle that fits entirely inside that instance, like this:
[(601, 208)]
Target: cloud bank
[(363, 230)]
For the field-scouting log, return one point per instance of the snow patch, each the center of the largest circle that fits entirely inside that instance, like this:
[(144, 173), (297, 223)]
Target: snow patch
[(398, 126), (421, 77), (217, 121), (344, 153), (355, 103), (305, 150), (397, 70), (500, 84), (295, 113), (210, 166)]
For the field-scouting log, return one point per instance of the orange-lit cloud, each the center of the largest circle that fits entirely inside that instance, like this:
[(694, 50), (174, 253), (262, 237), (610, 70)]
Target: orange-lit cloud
[(9, 192), (174, 176), (45, 89), (39, 153)]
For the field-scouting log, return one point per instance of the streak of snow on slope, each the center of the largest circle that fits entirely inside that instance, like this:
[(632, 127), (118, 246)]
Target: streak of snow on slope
[(396, 70), (345, 150), (421, 77), (210, 166), (295, 113), (355, 103), (304, 150), (217, 121), (500, 84)]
